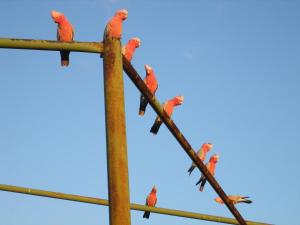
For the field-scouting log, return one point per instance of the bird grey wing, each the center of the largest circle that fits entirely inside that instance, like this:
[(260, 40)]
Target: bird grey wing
[(155, 89), (72, 37), (106, 31), (57, 35)]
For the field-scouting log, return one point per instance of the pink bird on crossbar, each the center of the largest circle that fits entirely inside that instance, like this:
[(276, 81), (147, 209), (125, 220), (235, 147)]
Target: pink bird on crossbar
[(65, 32), (150, 201)]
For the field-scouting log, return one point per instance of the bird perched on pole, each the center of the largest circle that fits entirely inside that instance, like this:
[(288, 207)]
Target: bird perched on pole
[(65, 32), (129, 48), (150, 201), (234, 199), (113, 28), (151, 83), (205, 148), (211, 166), (168, 107)]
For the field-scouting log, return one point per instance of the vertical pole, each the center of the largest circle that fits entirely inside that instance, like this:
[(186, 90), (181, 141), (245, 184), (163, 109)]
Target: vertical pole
[(117, 164)]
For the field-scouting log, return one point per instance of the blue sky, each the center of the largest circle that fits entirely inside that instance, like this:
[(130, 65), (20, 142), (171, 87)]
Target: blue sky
[(236, 62)]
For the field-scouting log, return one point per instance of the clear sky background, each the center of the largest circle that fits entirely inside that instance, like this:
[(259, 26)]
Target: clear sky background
[(236, 62)]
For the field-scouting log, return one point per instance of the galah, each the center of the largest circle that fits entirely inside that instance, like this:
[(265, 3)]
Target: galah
[(151, 83), (129, 48), (114, 26), (150, 201), (211, 166), (205, 148), (65, 32), (168, 107), (234, 199)]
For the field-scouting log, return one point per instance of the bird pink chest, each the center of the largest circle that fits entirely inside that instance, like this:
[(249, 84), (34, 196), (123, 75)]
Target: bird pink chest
[(169, 106), (152, 199), (211, 168), (130, 48), (115, 28), (65, 31), (202, 155), (151, 83)]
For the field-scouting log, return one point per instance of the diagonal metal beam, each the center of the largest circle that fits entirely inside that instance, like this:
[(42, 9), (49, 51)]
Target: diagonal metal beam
[(133, 206), (76, 46), (139, 83)]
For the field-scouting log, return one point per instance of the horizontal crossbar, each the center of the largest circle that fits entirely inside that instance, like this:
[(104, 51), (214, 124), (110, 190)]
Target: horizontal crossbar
[(75, 46), (133, 206)]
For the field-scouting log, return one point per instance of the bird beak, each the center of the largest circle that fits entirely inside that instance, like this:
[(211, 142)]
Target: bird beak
[(181, 99)]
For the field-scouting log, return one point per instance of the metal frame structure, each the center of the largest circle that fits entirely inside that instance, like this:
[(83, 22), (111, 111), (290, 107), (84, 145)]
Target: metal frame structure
[(117, 165)]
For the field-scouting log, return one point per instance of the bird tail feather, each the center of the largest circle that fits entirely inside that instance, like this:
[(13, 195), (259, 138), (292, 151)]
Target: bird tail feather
[(143, 105), (146, 214), (247, 201), (191, 169), (202, 185), (200, 180), (64, 56), (156, 126)]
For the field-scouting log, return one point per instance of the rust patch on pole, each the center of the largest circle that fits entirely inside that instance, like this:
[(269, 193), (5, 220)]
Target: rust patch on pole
[(117, 163), (139, 83)]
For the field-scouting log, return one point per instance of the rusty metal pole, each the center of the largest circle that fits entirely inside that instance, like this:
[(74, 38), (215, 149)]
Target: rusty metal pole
[(117, 163)]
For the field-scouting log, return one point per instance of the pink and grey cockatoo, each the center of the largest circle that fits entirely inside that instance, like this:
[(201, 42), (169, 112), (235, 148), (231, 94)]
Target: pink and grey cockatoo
[(205, 148), (129, 48), (150, 201), (234, 199), (168, 107), (211, 166), (151, 83), (114, 26), (65, 32)]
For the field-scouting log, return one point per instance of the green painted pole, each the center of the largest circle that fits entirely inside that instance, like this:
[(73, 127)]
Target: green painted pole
[(98, 201), (117, 163), (139, 83), (92, 47)]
